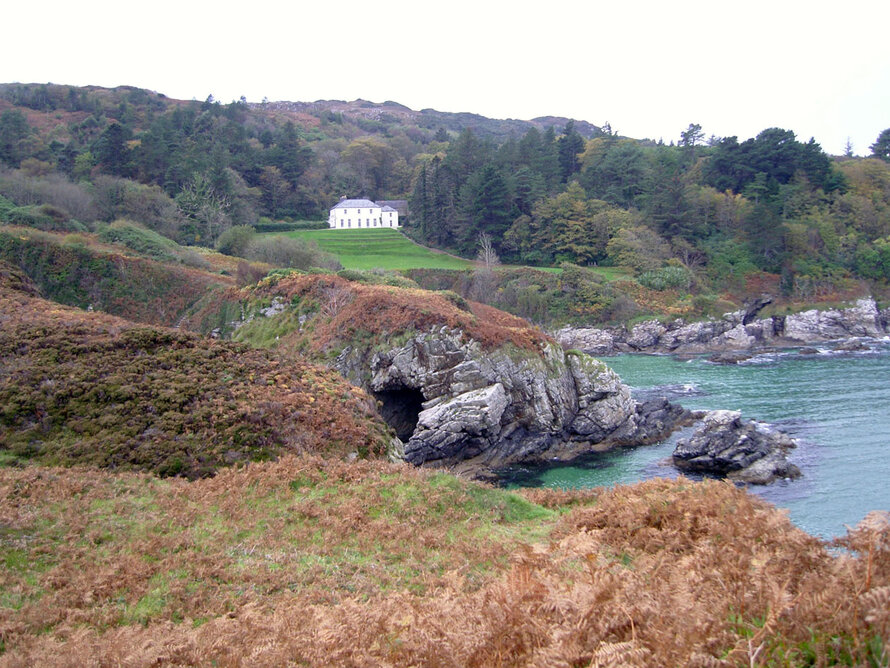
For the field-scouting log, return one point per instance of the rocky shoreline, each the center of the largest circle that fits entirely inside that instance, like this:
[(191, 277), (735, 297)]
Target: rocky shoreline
[(474, 411), (723, 444), (455, 404), (736, 332)]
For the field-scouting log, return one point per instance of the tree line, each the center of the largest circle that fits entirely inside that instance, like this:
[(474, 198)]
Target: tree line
[(719, 209)]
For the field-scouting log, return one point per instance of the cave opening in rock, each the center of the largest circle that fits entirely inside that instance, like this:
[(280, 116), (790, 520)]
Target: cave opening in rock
[(400, 409)]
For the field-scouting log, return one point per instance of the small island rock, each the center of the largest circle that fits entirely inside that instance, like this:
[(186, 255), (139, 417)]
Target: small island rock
[(746, 451)]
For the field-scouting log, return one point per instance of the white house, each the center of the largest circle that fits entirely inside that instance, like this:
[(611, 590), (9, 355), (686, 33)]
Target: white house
[(355, 213)]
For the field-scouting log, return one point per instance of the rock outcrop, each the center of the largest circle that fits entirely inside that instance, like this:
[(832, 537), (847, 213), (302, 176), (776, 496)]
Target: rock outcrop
[(746, 451), (739, 330), (459, 382), (490, 408)]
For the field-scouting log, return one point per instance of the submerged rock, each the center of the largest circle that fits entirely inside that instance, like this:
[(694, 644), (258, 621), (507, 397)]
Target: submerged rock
[(746, 451), (730, 357), (851, 347)]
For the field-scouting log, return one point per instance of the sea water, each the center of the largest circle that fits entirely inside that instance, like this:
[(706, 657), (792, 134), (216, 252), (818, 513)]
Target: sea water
[(836, 404)]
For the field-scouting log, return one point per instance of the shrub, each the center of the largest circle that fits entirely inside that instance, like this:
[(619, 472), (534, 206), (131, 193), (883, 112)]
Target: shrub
[(267, 225), (667, 278), (287, 252), (377, 277), (248, 274), (149, 205), (456, 299), (138, 238), (54, 189), (44, 217), (235, 240), (5, 207)]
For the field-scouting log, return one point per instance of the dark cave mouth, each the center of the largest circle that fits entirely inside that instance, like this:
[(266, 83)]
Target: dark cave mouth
[(400, 409)]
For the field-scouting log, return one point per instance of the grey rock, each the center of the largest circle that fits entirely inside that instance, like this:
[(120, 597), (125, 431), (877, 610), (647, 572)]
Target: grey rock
[(851, 346), (589, 339), (496, 407), (861, 319), (738, 330), (646, 335), (729, 357), (725, 445)]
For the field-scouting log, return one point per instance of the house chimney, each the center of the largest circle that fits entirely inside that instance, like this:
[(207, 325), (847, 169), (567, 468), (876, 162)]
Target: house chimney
[(342, 197)]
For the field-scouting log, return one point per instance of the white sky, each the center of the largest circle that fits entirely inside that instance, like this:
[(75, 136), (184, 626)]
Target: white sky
[(650, 68)]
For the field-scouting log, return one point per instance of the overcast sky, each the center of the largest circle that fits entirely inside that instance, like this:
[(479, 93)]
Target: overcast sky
[(649, 68)]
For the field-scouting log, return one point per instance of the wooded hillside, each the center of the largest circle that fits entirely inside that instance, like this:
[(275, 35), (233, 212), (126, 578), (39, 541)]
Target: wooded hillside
[(699, 214)]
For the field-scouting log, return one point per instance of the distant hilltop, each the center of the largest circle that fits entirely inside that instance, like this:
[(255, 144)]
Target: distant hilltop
[(389, 112)]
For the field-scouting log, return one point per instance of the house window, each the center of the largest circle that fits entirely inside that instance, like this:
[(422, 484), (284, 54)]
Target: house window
[(359, 212)]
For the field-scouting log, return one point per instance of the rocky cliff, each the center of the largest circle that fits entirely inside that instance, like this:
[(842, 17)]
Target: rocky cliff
[(452, 400), (739, 330), (460, 383)]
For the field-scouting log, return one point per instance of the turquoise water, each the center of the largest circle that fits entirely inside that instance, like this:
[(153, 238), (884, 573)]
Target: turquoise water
[(836, 404)]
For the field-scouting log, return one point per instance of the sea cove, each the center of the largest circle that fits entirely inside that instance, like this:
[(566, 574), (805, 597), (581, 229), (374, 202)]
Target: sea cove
[(837, 404)]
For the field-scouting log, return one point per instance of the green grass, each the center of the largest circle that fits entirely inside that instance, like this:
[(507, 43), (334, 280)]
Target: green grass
[(390, 249), (378, 249), (613, 273)]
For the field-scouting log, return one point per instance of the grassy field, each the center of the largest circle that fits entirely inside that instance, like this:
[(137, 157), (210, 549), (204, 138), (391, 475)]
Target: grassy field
[(381, 248), (390, 249)]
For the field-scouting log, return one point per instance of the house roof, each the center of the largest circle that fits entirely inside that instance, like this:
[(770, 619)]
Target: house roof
[(354, 204), (400, 205), (387, 208)]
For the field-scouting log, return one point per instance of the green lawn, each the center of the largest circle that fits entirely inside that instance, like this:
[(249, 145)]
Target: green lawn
[(378, 249), (390, 249)]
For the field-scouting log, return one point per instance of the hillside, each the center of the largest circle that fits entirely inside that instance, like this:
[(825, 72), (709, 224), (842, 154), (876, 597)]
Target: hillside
[(91, 389), (712, 219), (82, 271), (389, 114)]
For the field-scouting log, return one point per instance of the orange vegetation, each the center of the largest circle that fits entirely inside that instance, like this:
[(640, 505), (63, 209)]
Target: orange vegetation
[(308, 562), (665, 302), (351, 310)]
